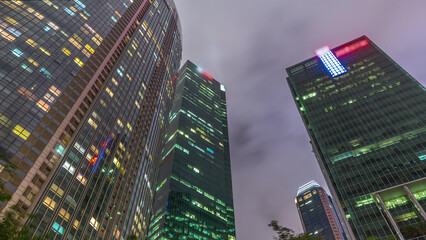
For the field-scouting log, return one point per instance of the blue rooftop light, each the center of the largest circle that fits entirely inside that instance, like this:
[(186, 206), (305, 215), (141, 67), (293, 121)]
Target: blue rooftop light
[(330, 61)]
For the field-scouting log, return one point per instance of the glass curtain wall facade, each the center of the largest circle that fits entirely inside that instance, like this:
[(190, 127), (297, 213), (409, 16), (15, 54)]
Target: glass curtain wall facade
[(194, 191), (366, 118), (317, 213), (85, 88)]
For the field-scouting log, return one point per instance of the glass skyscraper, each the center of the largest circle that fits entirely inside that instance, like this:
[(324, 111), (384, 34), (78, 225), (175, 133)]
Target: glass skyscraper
[(85, 89), (366, 119), (317, 212), (194, 191)]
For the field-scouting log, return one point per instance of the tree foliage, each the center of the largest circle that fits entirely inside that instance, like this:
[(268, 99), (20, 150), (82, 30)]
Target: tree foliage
[(11, 225), (414, 230), (288, 234)]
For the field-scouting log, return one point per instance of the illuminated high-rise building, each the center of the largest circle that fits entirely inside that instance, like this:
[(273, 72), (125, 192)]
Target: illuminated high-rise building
[(85, 89), (194, 191), (366, 117), (317, 213)]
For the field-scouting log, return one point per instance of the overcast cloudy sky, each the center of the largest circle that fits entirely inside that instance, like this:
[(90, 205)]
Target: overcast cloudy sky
[(246, 45)]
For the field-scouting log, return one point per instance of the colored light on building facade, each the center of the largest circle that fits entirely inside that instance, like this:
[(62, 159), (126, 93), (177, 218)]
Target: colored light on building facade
[(333, 65), (94, 162)]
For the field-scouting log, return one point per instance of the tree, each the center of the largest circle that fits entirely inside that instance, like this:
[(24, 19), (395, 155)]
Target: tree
[(288, 234)]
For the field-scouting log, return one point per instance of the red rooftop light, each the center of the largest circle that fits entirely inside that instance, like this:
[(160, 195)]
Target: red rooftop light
[(208, 76), (351, 48)]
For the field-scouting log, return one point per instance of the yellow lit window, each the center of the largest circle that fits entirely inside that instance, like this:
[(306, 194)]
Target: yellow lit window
[(31, 42), (20, 131), (33, 62), (137, 104), (64, 214), (49, 203), (114, 81), (90, 48), (73, 9), (76, 223), (31, 10), (54, 90), (111, 94), (99, 37), (38, 15), (11, 20), (129, 126), (79, 62), (57, 190), (66, 51), (5, 121), (119, 123), (92, 123), (307, 196), (96, 41), (43, 105), (85, 18), (45, 51)]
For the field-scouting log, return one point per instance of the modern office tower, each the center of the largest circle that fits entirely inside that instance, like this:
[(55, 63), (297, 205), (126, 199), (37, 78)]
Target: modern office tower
[(317, 212), (85, 86), (366, 119), (194, 191)]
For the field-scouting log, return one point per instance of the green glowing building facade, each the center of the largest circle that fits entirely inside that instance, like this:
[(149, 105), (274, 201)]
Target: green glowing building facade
[(366, 119), (194, 192)]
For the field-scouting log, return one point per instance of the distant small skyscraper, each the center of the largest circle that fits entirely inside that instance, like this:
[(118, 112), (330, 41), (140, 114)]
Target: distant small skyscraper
[(366, 118), (194, 189), (317, 212)]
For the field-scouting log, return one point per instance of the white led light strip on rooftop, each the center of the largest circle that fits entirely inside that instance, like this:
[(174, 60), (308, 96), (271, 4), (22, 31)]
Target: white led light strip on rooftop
[(333, 65)]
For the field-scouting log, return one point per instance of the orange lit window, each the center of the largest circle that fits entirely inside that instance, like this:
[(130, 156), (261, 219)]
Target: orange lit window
[(111, 94), (75, 43), (28, 94), (6, 35), (31, 10), (307, 196), (96, 41), (85, 52), (54, 90), (43, 105), (79, 62)]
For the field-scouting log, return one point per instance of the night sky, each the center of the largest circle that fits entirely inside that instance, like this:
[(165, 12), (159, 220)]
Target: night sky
[(246, 45)]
